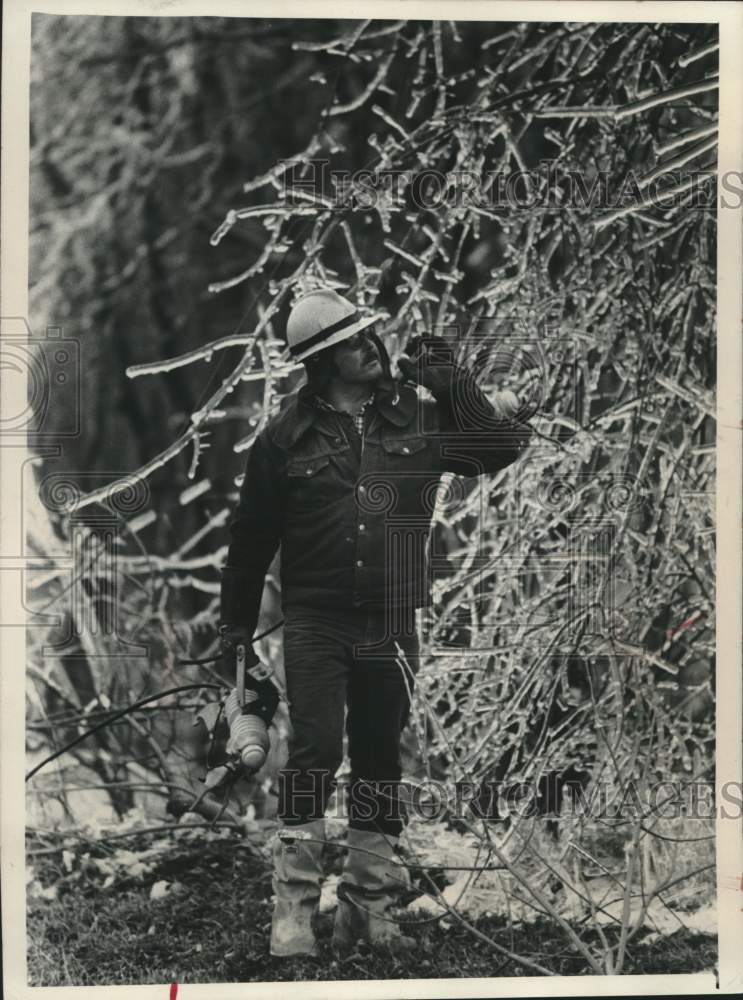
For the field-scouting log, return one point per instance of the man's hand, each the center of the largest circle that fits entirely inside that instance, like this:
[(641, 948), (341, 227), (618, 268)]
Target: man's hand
[(232, 636), (257, 674), (429, 361)]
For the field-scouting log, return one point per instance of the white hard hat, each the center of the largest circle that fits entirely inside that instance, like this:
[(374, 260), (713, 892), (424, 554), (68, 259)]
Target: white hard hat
[(320, 319)]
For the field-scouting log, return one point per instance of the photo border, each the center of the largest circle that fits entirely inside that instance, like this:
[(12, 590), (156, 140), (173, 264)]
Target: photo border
[(14, 300)]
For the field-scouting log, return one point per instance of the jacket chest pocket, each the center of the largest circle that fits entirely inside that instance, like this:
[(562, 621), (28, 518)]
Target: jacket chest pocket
[(311, 482), (307, 468), (404, 452)]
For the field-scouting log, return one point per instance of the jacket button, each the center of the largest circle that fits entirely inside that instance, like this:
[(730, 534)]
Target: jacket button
[(360, 563), (362, 527)]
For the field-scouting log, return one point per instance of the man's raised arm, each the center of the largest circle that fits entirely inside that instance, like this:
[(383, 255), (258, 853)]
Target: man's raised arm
[(478, 435)]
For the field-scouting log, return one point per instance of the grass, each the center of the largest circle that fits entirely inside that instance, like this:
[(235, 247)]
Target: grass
[(216, 927)]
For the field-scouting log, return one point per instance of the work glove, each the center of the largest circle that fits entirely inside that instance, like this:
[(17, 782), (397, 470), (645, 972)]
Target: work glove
[(230, 637), (429, 361)]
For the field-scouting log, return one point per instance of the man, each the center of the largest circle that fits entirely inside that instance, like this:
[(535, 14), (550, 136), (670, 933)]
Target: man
[(344, 480)]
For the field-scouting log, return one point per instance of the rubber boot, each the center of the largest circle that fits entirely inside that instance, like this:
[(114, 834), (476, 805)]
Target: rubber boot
[(297, 875), (373, 879)]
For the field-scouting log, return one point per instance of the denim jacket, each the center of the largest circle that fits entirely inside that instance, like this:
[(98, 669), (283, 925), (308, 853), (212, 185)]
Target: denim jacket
[(353, 523)]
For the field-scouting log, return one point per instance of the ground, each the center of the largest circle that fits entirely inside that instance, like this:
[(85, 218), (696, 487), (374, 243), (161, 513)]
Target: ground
[(198, 910)]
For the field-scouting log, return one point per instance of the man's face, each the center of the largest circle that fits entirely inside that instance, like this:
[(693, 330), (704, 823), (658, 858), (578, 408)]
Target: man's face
[(357, 359)]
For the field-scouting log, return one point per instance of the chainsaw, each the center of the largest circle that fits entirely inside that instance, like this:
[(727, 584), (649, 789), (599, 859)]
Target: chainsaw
[(239, 721)]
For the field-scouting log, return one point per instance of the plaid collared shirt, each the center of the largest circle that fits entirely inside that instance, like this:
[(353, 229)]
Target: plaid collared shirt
[(358, 417)]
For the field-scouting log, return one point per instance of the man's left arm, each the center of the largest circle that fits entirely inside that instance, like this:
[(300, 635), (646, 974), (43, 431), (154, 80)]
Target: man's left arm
[(479, 434)]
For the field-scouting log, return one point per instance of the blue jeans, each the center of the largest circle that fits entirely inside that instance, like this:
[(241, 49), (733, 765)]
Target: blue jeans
[(336, 660)]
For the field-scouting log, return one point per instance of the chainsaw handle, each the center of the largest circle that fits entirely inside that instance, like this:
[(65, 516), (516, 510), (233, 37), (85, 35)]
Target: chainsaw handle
[(240, 678)]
